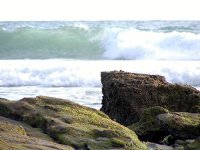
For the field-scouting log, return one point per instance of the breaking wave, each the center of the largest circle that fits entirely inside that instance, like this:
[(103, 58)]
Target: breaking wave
[(98, 40), (80, 73)]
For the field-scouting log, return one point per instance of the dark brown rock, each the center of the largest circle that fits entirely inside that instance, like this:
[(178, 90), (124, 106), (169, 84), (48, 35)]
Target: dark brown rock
[(126, 95)]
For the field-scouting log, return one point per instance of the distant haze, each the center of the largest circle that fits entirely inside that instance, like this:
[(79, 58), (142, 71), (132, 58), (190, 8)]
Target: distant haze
[(42, 10)]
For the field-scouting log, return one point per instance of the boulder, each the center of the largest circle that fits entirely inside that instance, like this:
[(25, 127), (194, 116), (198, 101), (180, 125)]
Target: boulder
[(126, 95), (181, 125), (71, 124)]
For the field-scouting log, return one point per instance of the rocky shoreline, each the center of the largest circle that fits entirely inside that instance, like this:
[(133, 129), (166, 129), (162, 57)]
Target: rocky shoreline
[(139, 112), (157, 111)]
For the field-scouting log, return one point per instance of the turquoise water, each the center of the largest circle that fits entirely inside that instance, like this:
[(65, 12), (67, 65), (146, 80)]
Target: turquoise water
[(64, 59), (127, 40)]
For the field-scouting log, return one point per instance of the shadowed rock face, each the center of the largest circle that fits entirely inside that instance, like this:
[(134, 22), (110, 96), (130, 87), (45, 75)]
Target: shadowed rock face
[(147, 128), (70, 124), (126, 95)]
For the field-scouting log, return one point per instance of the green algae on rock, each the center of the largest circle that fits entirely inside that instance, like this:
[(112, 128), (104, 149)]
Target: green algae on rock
[(72, 124), (194, 145), (183, 125), (147, 128), (13, 136), (10, 128)]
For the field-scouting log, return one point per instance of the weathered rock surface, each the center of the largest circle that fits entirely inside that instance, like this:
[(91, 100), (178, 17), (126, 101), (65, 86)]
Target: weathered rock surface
[(191, 144), (67, 123), (147, 128), (181, 125), (126, 95), (154, 146), (16, 135), (194, 145)]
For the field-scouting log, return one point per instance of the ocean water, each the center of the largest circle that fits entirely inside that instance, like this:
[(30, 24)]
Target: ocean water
[(64, 59)]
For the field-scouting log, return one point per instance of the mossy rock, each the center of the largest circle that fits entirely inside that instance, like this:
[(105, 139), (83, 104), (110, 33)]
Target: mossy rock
[(149, 114), (14, 137), (72, 124), (22, 142), (194, 145), (147, 128), (182, 125), (12, 129)]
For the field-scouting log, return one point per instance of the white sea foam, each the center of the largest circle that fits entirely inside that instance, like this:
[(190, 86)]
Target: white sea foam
[(100, 40), (82, 26), (88, 96), (169, 48), (74, 73), (148, 45)]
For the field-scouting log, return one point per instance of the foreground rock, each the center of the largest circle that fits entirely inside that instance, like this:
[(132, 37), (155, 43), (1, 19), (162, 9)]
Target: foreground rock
[(181, 125), (67, 123), (126, 95), (17, 136)]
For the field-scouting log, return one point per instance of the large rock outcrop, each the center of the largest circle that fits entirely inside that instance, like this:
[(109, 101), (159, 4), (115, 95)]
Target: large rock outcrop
[(66, 123), (126, 95)]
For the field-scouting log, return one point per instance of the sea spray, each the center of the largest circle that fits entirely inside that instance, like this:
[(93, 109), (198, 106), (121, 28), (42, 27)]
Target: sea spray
[(81, 73)]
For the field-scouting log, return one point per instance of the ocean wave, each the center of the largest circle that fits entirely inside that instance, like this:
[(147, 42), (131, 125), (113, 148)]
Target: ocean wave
[(100, 40), (74, 73), (53, 43), (135, 44)]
